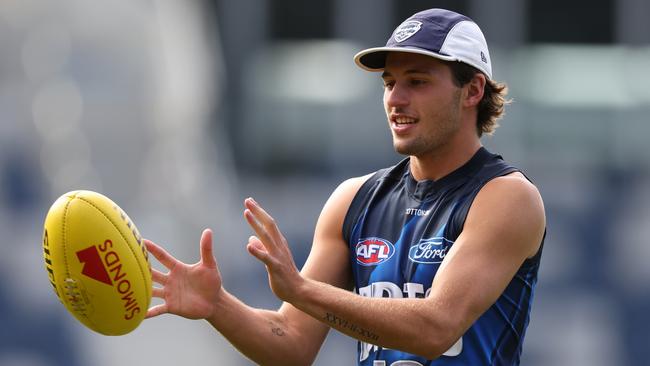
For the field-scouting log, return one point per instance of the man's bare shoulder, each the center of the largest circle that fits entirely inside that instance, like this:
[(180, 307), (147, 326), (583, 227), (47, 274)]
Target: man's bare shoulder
[(352, 185), (340, 200), (513, 203), (515, 185), (328, 260)]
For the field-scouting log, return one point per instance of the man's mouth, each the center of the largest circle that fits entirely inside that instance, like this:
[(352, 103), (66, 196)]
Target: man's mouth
[(404, 120)]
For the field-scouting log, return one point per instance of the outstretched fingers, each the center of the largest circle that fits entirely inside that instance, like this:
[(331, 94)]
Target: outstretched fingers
[(166, 260), (156, 310), (158, 292), (186, 290), (262, 223), (159, 277), (160, 254)]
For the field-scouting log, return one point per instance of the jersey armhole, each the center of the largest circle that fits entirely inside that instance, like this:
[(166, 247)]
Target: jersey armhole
[(461, 215), (534, 260), (357, 204)]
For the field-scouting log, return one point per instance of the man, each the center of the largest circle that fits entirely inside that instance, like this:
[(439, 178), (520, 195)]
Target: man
[(443, 248)]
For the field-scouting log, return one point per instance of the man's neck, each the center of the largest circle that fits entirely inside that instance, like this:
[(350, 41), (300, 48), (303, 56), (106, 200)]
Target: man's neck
[(443, 161)]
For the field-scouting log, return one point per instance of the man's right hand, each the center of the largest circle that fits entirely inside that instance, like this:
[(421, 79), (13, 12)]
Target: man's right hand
[(190, 291)]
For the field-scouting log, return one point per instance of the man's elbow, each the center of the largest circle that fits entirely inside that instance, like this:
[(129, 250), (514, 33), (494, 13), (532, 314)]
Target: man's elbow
[(436, 347), (439, 339)]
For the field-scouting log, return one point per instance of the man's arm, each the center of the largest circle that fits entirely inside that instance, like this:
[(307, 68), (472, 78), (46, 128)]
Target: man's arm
[(284, 337), (504, 226)]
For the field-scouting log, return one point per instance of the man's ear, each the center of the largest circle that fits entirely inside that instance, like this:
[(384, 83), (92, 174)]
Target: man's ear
[(474, 90)]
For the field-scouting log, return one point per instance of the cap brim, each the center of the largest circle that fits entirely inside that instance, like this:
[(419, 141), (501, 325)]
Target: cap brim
[(374, 59)]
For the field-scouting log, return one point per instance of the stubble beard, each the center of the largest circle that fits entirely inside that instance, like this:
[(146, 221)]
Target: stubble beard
[(437, 137)]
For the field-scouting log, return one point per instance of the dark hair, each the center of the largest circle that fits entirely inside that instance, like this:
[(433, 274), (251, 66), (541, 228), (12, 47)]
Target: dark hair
[(492, 106)]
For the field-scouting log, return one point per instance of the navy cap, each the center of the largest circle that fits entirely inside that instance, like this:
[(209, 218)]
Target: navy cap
[(438, 33)]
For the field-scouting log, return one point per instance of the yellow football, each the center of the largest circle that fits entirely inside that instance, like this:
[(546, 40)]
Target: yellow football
[(96, 262)]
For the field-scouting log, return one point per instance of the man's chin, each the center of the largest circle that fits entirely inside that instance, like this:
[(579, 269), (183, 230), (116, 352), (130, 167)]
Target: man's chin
[(420, 148), (404, 150)]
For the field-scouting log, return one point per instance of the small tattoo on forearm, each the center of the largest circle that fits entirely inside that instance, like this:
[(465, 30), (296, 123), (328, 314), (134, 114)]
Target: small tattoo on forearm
[(276, 330), (337, 321)]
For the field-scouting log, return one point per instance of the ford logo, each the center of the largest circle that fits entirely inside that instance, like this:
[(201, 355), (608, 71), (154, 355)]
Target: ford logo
[(430, 251)]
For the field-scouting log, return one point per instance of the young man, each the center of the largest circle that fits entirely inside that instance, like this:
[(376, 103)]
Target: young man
[(441, 250)]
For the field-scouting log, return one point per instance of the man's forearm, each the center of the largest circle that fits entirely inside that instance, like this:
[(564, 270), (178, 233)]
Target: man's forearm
[(409, 325), (264, 336)]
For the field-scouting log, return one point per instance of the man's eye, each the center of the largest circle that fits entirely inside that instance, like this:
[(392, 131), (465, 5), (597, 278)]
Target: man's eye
[(388, 84), (416, 82)]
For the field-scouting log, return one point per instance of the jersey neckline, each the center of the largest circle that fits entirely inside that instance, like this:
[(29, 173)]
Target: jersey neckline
[(428, 188)]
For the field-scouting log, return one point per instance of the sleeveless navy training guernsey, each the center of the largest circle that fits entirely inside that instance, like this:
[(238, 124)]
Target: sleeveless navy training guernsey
[(399, 231)]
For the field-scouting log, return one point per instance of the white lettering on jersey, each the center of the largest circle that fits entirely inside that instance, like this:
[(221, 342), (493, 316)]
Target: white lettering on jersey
[(417, 212), (391, 290), (367, 251)]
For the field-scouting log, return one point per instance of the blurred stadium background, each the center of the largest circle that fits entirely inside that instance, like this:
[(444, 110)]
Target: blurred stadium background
[(178, 110)]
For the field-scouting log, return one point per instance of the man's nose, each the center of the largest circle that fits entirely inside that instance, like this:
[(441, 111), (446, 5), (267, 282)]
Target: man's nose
[(397, 96)]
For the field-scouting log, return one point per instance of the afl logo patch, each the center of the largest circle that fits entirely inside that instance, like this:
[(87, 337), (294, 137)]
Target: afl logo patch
[(430, 251), (406, 30), (373, 251)]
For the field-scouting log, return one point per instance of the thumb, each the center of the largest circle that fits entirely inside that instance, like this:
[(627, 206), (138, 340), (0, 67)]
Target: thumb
[(257, 249), (207, 257)]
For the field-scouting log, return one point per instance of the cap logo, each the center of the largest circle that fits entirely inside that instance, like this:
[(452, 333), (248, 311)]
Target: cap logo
[(406, 30)]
